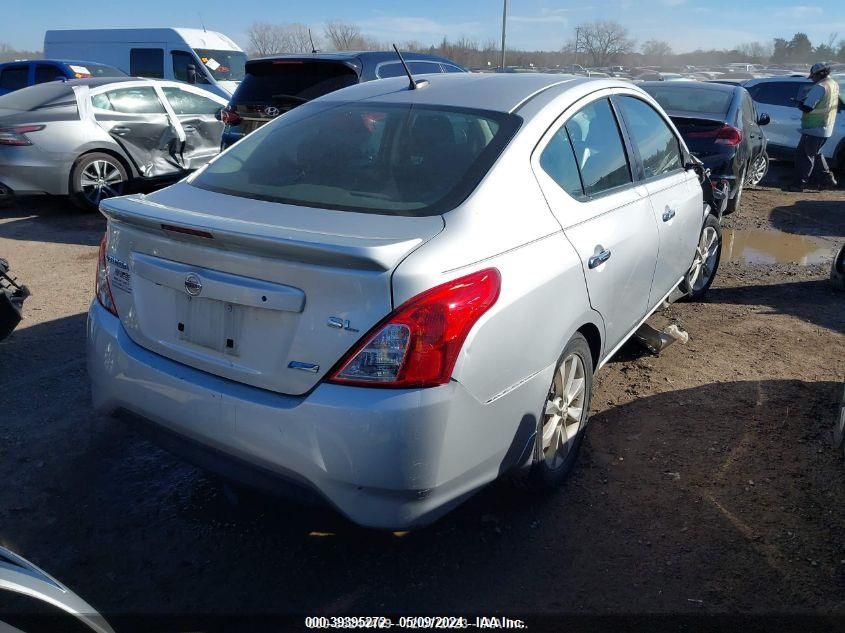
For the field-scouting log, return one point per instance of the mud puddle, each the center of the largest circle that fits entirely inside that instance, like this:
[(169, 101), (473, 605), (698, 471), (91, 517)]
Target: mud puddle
[(758, 246)]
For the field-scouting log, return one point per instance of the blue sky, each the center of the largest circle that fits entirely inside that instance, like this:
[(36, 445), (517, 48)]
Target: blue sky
[(533, 24)]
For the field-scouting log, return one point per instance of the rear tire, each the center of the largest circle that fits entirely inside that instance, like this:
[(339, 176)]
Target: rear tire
[(733, 203), (94, 178), (705, 263), (563, 419)]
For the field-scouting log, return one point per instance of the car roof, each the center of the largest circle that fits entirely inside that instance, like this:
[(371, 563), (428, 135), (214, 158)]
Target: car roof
[(500, 92), (374, 56), (680, 85)]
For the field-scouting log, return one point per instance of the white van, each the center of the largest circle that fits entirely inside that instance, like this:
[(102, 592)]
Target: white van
[(205, 58)]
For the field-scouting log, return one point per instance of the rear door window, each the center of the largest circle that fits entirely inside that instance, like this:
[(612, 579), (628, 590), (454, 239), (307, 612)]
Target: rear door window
[(451, 68), (599, 150), (656, 144), (47, 72), (558, 161), (14, 77), (184, 102), (146, 62), (140, 100), (395, 159)]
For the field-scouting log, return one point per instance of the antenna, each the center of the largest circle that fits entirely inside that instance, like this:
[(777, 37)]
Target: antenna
[(413, 84), (313, 48), (199, 13)]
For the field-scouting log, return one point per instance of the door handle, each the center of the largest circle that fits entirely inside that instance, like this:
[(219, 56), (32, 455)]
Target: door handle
[(189, 128), (668, 214), (120, 130), (598, 259)]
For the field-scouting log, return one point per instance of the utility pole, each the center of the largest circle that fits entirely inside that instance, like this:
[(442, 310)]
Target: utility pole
[(577, 40), (504, 25)]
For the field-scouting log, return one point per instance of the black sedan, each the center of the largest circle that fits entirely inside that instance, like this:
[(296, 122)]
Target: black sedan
[(721, 127)]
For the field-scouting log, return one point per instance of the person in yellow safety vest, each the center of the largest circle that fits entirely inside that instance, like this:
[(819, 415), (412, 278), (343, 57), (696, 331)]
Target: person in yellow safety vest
[(819, 108)]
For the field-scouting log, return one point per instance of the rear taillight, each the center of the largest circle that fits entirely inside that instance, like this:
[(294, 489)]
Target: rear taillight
[(229, 116), (418, 344), (17, 135), (101, 285), (725, 135)]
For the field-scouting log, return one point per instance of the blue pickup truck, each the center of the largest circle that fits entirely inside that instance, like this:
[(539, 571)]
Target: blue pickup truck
[(20, 74)]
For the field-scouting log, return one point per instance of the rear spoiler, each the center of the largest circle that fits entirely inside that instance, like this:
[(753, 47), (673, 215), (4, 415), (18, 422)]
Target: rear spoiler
[(341, 251)]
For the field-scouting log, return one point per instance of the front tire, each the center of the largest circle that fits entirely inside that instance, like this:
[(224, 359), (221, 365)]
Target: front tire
[(563, 419), (94, 178), (705, 264)]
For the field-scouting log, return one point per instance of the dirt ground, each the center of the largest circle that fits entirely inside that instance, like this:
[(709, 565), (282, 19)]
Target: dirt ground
[(707, 483)]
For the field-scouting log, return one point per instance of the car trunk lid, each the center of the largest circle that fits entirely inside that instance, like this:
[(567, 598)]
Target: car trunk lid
[(700, 134), (265, 294)]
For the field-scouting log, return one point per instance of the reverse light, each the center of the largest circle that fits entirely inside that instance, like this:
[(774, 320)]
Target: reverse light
[(17, 135), (101, 284), (418, 344), (229, 116), (725, 135)]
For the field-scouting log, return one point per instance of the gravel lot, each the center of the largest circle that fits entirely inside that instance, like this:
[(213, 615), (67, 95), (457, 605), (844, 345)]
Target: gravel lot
[(707, 483)]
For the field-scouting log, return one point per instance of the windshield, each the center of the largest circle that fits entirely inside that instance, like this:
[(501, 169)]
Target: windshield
[(223, 65), (398, 159), (85, 70), (692, 98)]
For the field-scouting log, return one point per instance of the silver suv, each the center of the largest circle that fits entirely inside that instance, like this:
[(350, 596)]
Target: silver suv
[(392, 296)]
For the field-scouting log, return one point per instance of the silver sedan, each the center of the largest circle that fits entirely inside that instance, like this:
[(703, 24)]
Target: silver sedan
[(90, 138), (393, 296)]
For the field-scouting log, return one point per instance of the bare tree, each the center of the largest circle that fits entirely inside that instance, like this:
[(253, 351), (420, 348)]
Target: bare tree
[(656, 51), (755, 52), (265, 39), (343, 36), (300, 40), (605, 40), (9, 53)]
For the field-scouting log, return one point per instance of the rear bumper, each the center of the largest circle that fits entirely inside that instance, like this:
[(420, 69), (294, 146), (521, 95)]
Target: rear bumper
[(28, 170), (384, 458)]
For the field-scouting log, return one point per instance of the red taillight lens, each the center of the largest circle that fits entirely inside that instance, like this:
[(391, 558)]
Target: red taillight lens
[(229, 116), (101, 285), (725, 135), (17, 135), (418, 344), (729, 135)]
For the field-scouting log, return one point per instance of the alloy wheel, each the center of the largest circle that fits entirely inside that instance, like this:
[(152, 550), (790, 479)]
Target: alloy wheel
[(703, 265), (564, 413), (101, 179), (758, 170)]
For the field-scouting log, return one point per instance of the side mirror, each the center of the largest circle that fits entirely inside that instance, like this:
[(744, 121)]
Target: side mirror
[(192, 74), (764, 119), (219, 114)]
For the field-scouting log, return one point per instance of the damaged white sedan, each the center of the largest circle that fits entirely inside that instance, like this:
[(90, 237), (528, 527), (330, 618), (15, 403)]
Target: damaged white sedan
[(91, 138)]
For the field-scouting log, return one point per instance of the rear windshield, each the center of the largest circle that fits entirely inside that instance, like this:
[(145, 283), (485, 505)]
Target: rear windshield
[(36, 96), (691, 98), (285, 80), (396, 159)]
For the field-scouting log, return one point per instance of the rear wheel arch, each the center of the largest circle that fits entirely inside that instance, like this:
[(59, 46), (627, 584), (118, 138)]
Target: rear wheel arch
[(590, 332), (127, 165)]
